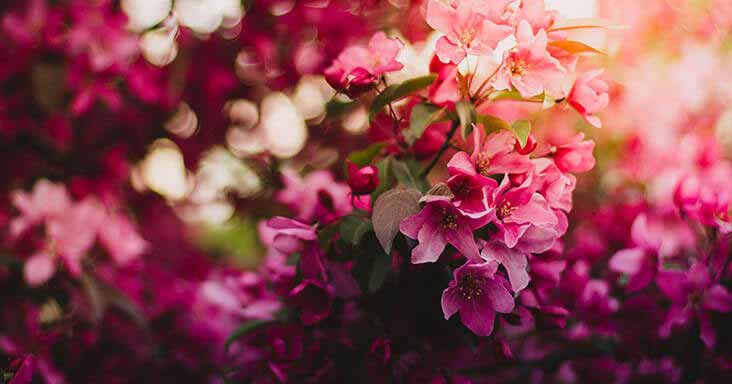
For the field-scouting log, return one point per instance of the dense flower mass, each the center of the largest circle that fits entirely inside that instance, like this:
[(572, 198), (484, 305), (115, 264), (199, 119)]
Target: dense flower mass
[(422, 191)]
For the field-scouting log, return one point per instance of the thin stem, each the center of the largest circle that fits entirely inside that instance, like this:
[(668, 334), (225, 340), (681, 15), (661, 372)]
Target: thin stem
[(441, 151)]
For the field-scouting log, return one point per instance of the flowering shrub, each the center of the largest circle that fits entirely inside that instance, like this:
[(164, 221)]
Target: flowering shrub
[(417, 191)]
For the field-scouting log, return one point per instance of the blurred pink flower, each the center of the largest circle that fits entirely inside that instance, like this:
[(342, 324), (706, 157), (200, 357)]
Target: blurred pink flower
[(589, 95), (575, 155), (120, 238)]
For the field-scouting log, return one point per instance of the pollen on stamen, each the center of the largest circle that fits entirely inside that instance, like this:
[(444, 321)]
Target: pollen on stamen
[(449, 220), (505, 210), (469, 287)]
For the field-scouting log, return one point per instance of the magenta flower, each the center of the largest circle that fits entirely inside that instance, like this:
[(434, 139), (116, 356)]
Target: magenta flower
[(529, 67), (438, 224), (575, 155), (469, 27), (477, 293), (693, 294), (589, 95), (518, 209), (358, 68)]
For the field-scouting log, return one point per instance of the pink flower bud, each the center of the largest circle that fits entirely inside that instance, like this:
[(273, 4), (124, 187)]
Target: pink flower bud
[(362, 180)]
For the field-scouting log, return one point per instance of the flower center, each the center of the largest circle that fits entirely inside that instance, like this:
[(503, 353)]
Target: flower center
[(449, 220), (504, 210), (518, 68), (470, 286), (466, 36), (482, 165)]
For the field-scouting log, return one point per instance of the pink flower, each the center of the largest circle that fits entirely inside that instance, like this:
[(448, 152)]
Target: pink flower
[(69, 237), (317, 196), (534, 12), (73, 234), (589, 95), (470, 27), (445, 91), (529, 67), (119, 236), (470, 174), (46, 201), (709, 204), (358, 68), (641, 262), (518, 209), (555, 185), (362, 180), (576, 155), (693, 294), (438, 224), (477, 293)]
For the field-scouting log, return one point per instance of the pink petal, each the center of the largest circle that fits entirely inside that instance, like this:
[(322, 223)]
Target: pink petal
[(628, 261), (501, 300), (440, 16), (717, 298), (431, 244), (448, 52), (462, 239), (461, 163), (39, 268), (451, 301), (514, 261), (478, 318), (707, 333)]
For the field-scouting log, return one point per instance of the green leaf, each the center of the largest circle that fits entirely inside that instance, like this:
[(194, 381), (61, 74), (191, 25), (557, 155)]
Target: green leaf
[(336, 107), (353, 227), (244, 329), (421, 117), (505, 95), (365, 156), (407, 174), (492, 123), (522, 129), (379, 271), (386, 177), (397, 91), (466, 114), (389, 211)]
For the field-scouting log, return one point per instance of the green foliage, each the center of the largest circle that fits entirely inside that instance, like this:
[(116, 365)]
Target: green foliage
[(397, 91), (421, 117)]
